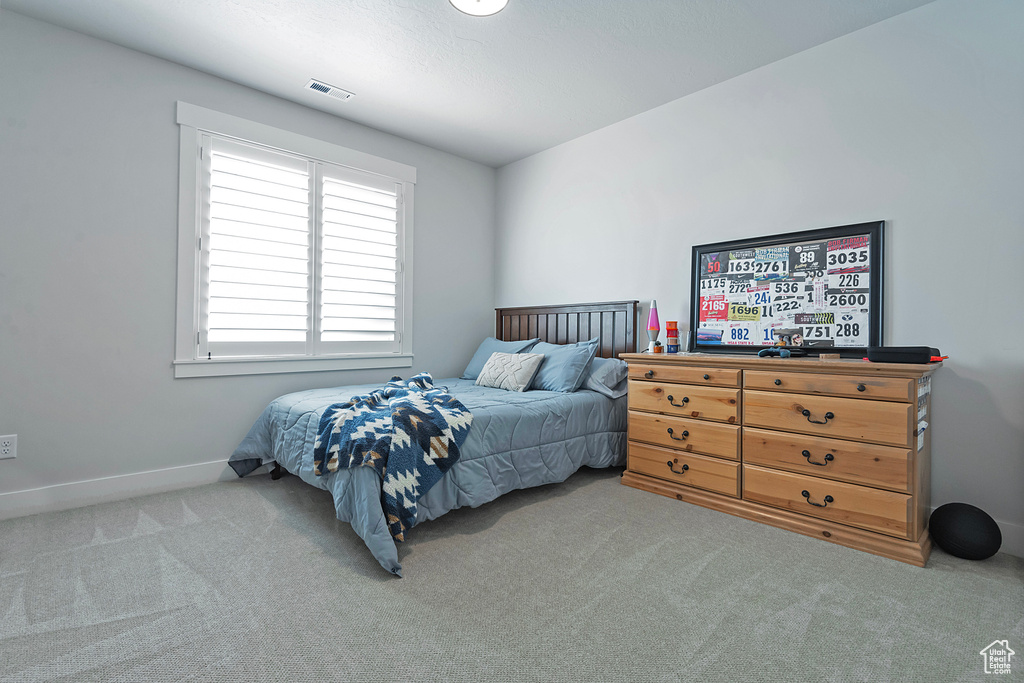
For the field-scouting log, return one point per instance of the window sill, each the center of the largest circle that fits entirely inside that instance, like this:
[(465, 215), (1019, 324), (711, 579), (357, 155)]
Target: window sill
[(223, 367)]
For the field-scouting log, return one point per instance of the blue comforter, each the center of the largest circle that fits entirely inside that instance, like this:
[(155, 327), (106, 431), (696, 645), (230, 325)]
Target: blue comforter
[(517, 440), (409, 431)]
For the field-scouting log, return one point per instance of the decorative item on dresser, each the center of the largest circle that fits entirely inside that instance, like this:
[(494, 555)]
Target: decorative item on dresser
[(653, 329), (835, 449)]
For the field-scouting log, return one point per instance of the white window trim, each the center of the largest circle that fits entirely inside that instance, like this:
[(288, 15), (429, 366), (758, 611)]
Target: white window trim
[(194, 121)]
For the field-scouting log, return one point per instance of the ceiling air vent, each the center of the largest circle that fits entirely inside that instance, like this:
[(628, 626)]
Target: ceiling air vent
[(330, 90)]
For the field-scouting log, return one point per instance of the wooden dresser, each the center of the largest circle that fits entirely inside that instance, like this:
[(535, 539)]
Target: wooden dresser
[(836, 449)]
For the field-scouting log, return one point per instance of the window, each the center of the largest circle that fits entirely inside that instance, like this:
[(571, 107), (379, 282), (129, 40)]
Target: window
[(288, 260)]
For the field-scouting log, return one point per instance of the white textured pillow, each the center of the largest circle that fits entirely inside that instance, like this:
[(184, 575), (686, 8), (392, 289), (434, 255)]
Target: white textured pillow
[(510, 371)]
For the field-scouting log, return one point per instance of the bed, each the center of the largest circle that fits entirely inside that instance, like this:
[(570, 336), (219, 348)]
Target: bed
[(516, 439)]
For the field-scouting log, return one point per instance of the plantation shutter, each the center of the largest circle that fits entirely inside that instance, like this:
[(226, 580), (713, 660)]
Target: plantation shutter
[(360, 263), (256, 239), (292, 252)]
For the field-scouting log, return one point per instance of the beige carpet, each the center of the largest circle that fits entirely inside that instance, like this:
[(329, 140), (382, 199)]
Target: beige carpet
[(584, 581)]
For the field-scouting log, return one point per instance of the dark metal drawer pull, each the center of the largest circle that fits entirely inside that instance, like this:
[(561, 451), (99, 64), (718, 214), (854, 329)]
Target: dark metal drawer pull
[(682, 471), (686, 433), (778, 382), (707, 376), (649, 374), (861, 387), (828, 458), (828, 499), (686, 399), (828, 416)]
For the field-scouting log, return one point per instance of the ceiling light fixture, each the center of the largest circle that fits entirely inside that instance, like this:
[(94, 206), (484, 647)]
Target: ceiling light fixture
[(479, 8)]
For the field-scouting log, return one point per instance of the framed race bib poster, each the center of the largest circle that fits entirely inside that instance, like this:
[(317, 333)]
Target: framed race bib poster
[(818, 290)]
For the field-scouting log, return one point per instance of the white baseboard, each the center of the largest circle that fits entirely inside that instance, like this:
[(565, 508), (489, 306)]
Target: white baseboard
[(108, 489), (1013, 538)]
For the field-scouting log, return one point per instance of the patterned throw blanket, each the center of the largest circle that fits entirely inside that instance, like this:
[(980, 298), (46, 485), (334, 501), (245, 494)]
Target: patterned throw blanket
[(409, 432)]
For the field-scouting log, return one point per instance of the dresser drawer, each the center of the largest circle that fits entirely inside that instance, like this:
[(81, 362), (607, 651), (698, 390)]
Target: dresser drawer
[(682, 434), (858, 463), (721, 377), (712, 474), (878, 388), (706, 403), (882, 422), (868, 508)]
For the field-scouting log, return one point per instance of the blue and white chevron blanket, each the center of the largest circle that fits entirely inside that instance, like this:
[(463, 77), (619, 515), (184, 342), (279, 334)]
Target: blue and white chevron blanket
[(410, 432)]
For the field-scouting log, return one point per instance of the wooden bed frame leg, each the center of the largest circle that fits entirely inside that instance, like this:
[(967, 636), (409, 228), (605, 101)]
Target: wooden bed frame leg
[(276, 473)]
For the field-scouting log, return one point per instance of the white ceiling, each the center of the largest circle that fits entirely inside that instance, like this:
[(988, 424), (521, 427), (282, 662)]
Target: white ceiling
[(493, 89)]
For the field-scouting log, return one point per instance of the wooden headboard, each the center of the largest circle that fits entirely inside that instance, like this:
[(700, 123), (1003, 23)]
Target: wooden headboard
[(614, 323)]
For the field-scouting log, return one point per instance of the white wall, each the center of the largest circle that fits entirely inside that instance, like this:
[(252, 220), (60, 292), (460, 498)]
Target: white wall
[(916, 121), (88, 225)]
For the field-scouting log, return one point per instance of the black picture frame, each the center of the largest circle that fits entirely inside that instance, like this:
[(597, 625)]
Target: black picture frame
[(831, 302)]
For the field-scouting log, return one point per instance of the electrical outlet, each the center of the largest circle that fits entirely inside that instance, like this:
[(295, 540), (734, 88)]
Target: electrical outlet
[(9, 446)]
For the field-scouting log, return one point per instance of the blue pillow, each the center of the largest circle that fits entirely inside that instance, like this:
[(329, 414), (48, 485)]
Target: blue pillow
[(489, 346), (607, 376), (564, 365)]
